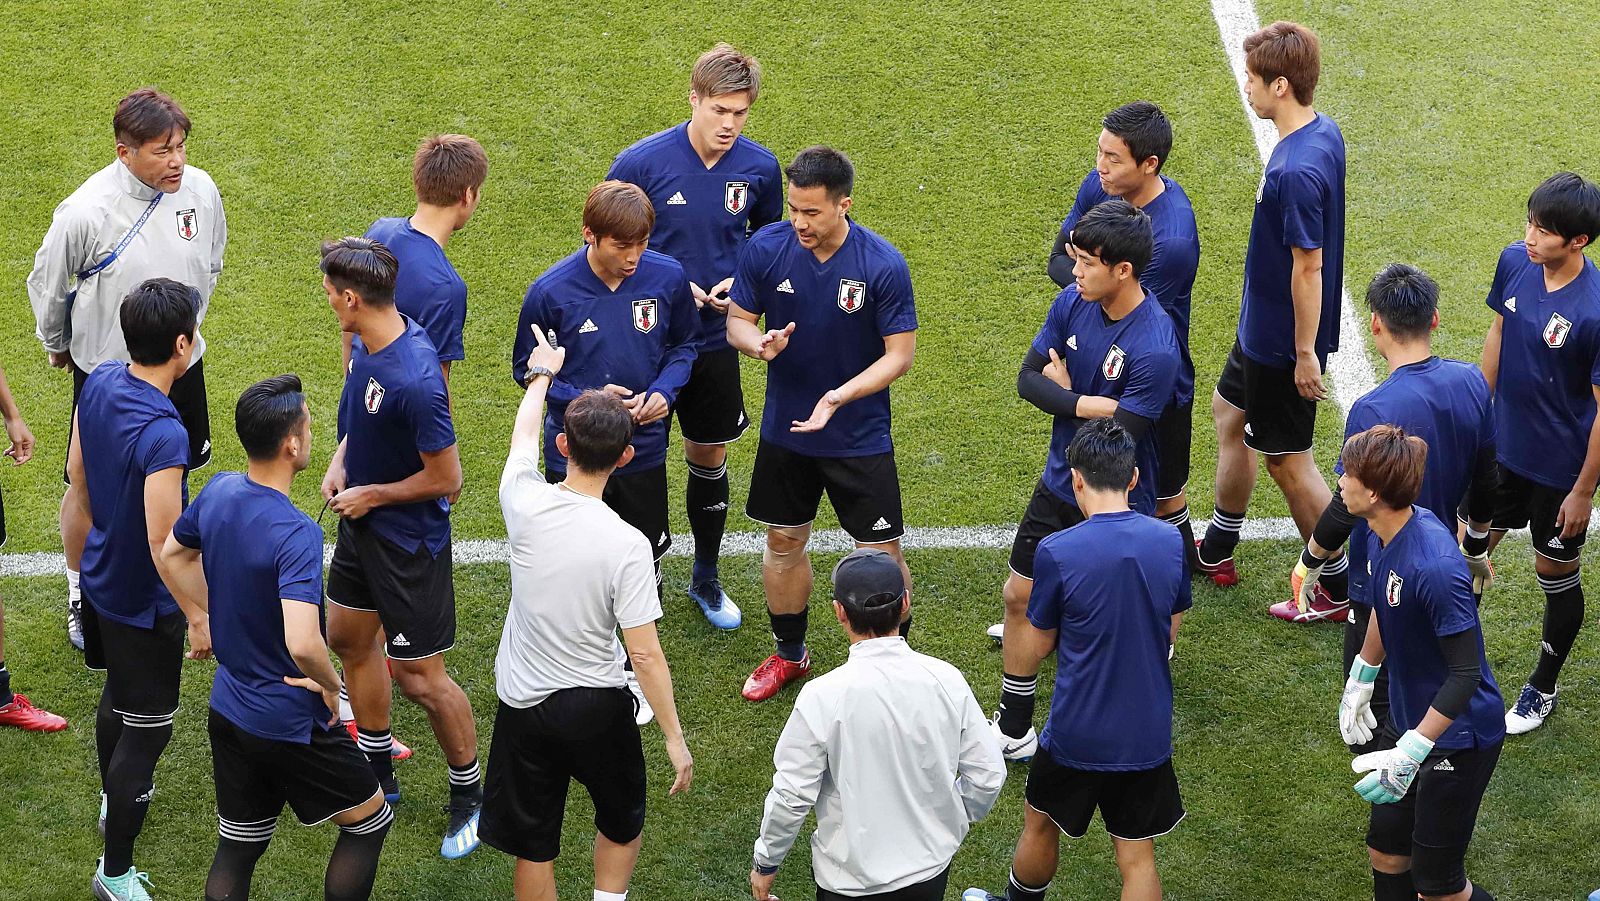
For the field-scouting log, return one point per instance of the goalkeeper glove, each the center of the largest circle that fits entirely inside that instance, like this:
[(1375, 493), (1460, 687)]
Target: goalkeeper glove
[(1392, 771), (1304, 578), (1482, 570), (1356, 720)]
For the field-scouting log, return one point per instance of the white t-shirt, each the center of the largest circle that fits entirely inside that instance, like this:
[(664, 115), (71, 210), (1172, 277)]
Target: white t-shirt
[(578, 573)]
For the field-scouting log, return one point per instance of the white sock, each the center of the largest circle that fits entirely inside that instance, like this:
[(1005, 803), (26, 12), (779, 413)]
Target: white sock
[(346, 715), (609, 896), (74, 594)]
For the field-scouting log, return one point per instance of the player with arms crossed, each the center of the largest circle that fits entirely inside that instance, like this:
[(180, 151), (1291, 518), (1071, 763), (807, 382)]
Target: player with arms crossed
[(147, 214), (710, 187), (1106, 349), (1266, 400), (243, 553), (1444, 706), (396, 463), (1443, 402), (841, 328), (1542, 360), (1110, 593)]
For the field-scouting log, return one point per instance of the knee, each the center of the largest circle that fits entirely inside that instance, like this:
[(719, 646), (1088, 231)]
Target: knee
[(1388, 863), (1016, 595), (425, 689), (786, 548), (707, 455), (1168, 506)]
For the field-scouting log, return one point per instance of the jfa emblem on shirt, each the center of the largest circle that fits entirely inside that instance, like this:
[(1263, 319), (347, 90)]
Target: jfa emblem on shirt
[(736, 196), (852, 295), (1391, 591), (188, 225), (1556, 330), (1112, 367), (374, 395), (644, 314)]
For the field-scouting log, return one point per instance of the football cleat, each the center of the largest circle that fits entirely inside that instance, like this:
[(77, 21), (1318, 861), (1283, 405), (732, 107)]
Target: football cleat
[(773, 674), (1222, 575), (75, 624), (102, 816), (1015, 750), (1530, 710), (461, 836), (719, 609), (391, 789), (1323, 608), (978, 894), (21, 714), (398, 750), (997, 632), (643, 713), (130, 886)]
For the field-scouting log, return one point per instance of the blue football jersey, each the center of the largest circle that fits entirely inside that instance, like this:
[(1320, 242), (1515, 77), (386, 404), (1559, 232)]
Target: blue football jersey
[(428, 290)]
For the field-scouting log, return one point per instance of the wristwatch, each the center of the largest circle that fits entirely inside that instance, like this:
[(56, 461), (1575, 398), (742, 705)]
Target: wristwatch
[(537, 371), (763, 869)]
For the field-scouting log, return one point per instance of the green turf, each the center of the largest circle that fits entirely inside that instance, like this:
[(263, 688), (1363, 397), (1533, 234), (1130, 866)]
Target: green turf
[(971, 124)]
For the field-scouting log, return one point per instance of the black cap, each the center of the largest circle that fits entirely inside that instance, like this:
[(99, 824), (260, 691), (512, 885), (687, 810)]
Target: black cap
[(868, 578)]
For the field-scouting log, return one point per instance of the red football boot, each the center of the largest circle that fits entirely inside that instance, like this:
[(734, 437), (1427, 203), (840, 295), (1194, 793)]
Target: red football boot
[(1323, 608), (1222, 575), (397, 749), (773, 674), (22, 714)]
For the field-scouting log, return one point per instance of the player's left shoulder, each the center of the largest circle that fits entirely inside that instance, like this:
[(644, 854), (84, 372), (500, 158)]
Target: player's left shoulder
[(756, 152), (199, 182), (658, 265)]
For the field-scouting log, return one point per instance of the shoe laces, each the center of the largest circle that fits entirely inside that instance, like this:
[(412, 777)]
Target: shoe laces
[(1530, 701), (131, 885), (19, 701), (709, 593)]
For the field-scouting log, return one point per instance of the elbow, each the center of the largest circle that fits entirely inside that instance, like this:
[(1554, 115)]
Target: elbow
[(647, 658)]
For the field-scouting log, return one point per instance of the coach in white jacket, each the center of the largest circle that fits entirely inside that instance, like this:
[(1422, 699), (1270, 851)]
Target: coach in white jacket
[(891, 749), (145, 215)]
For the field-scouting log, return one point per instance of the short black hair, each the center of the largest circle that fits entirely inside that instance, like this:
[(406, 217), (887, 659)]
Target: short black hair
[(1116, 231), (267, 413), (1405, 298), (1568, 205), (823, 166), (878, 620), (364, 266), (1144, 128), (154, 315), (598, 429), (1102, 453)]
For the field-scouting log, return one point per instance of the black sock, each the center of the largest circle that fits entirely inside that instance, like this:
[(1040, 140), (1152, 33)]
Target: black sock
[(6, 697), (1180, 519), (1222, 536), (1563, 617), (1478, 894), (1393, 887), (706, 496), (378, 745), (232, 869), (1017, 891), (107, 732), (129, 783), (1016, 703), (354, 864), (1336, 579), (465, 784), (905, 627), (789, 630)]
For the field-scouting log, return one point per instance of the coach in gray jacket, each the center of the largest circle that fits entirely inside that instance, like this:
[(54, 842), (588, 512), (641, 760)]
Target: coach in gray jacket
[(902, 734)]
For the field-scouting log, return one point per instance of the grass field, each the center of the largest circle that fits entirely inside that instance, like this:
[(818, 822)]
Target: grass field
[(970, 125)]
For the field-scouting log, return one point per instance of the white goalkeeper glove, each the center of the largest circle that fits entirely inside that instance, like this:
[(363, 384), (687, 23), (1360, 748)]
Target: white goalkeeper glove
[(1356, 719), (1392, 771)]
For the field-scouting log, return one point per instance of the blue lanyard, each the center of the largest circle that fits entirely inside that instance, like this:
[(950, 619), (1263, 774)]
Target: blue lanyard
[(126, 240)]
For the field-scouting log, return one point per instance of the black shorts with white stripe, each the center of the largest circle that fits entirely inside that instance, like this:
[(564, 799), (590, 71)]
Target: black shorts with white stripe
[(256, 776), (142, 666)]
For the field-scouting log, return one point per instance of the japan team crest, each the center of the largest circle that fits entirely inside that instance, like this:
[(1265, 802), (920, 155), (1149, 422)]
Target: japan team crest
[(736, 196), (644, 315), (188, 225), (852, 295), (1557, 330), (1391, 591), (374, 396), (1114, 362)]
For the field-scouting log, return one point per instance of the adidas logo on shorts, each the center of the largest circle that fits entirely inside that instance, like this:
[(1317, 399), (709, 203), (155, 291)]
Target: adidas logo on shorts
[(785, 287), (676, 199), (399, 640), (880, 525), (1444, 766), (662, 540), (1555, 542), (588, 326)]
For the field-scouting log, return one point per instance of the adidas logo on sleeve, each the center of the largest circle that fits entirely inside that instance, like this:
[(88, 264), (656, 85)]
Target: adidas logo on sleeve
[(785, 287), (676, 199)]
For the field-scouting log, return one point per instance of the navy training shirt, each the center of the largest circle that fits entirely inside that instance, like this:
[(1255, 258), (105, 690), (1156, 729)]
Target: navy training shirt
[(394, 408), (1300, 204), (703, 216), (1111, 585), (1443, 402), (428, 289), (1133, 360), (842, 311), (642, 336), (1549, 364), (257, 550), (1171, 272), (1422, 592), (127, 430)]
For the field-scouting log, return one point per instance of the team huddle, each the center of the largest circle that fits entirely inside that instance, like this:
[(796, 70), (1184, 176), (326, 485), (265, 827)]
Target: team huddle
[(699, 247)]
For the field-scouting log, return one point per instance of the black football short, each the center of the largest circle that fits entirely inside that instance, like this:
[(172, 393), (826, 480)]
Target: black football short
[(786, 488), (1174, 437), (188, 397), (1045, 516), (256, 776), (587, 734), (413, 593), (639, 497), (1520, 502), (1134, 804), (1433, 822), (142, 666), (1277, 420), (710, 407)]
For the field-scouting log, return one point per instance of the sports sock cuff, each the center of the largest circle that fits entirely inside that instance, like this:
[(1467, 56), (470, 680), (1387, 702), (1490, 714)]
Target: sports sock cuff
[(379, 819), (1019, 685), (257, 831), (1178, 518), (610, 896), (1018, 890), (1226, 521), (1557, 584), (380, 742), (1337, 566), (466, 774), (709, 473)]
